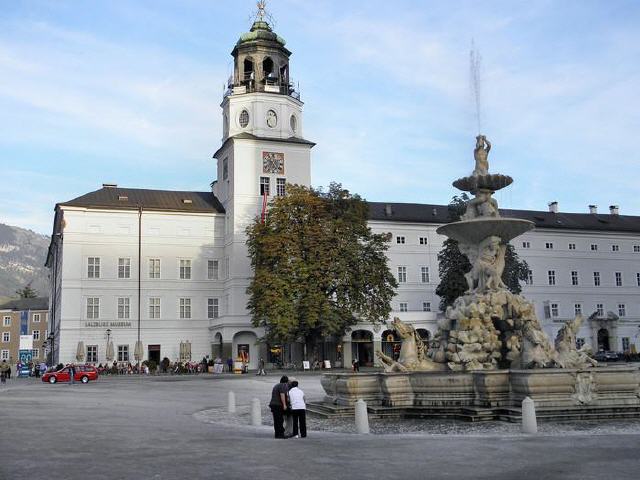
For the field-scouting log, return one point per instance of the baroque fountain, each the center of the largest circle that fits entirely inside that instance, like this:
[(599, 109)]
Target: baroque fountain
[(490, 351)]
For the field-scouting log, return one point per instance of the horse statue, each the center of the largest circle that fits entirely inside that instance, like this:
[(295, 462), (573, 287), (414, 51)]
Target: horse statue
[(567, 354), (413, 353)]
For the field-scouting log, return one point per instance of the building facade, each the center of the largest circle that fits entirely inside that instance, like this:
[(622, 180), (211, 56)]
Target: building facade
[(25, 316), (161, 268)]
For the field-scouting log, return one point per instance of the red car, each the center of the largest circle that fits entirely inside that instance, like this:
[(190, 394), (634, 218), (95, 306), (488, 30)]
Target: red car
[(83, 374)]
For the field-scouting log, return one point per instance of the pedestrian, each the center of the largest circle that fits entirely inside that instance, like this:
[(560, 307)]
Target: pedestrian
[(72, 373), (278, 405), (230, 364), (18, 368), (298, 410), (261, 367), (356, 365), (5, 369)]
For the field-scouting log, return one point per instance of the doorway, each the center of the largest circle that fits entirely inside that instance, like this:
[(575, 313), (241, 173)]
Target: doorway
[(154, 353), (603, 340)]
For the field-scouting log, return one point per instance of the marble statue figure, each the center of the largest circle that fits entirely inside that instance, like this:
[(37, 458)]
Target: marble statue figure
[(481, 154), (413, 353)]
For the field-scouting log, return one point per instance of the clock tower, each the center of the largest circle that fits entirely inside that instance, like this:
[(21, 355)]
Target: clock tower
[(263, 149)]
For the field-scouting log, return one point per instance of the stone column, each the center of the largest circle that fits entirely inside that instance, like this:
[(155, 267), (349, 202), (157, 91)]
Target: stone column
[(377, 345), (346, 354), (227, 351)]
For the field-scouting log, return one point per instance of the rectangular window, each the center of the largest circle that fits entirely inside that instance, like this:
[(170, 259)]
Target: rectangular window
[(551, 277), (600, 309), (426, 306), (124, 268), (225, 169), (185, 308), (625, 344), (5, 355), (424, 274), (572, 246), (403, 306), (529, 280), (526, 245), (93, 307), (579, 343), (6, 337), (596, 279), (124, 304), (615, 248), (92, 353), (35, 353), (6, 321), (622, 310), (638, 279), (424, 241), (281, 186), (93, 267), (154, 307), (402, 274), (213, 269), (36, 334), (636, 249), (549, 245), (213, 308), (264, 185), (400, 240), (577, 309), (594, 247), (154, 268), (554, 310), (123, 353), (574, 278), (185, 269), (36, 318), (618, 279)]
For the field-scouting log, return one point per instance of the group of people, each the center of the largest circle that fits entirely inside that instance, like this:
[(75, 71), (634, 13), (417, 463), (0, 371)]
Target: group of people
[(34, 369), (288, 403)]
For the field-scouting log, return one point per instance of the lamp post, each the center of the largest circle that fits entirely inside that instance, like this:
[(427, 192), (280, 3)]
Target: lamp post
[(108, 332), (50, 338)]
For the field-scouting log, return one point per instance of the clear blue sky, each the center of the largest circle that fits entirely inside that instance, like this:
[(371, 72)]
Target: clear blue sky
[(129, 92)]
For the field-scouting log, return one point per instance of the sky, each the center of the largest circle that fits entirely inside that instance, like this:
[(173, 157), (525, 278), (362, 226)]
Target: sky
[(129, 92)]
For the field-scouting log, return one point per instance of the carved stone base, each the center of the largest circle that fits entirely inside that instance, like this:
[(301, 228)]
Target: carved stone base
[(559, 394)]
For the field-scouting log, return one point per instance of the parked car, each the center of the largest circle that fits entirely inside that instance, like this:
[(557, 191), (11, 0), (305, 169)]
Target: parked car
[(83, 374), (603, 356)]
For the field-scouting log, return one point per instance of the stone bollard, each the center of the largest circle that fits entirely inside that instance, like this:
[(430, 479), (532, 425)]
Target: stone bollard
[(256, 413), (362, 417), (231, 404), (529, 423)]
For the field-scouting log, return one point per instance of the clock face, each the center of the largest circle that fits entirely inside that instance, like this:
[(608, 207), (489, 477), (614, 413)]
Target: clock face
[(273, 162), (272, 119)]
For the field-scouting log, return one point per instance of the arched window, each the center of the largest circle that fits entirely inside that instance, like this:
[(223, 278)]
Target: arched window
[(267, 68), (248, 70)]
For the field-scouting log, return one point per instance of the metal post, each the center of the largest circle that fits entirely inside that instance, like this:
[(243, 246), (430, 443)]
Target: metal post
[(529, 422), (231, 407), (256, 413), (362, 417)]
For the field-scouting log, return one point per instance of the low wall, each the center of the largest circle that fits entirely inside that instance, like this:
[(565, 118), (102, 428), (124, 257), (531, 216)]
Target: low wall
[(602, 392)]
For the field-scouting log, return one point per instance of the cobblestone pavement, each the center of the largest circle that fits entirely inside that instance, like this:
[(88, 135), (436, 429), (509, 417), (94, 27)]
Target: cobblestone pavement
[(177, 427)]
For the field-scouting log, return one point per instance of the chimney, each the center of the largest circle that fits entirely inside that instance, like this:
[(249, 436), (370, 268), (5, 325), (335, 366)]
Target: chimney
[(593, 209), (614, 210), (109, 185), (387, 210), (553, 207)]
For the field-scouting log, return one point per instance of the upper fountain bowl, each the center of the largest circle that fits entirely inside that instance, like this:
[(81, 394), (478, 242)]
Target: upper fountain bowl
[(491, 182)]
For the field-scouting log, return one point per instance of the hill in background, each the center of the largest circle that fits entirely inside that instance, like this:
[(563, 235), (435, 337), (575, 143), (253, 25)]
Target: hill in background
[(22, 257)]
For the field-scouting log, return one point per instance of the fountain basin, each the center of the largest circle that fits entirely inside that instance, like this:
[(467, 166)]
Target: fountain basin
[(474, 231), (559, 394), (491, 182)]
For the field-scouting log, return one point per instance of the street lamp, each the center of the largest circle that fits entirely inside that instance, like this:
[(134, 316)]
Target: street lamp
[(50, 338)]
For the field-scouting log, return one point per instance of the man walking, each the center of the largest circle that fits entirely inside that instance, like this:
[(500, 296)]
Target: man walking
[(230, 364), (278, 405), (72, 372), (261, 367)]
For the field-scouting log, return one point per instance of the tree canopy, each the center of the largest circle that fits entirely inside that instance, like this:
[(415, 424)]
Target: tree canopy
[(452, 264), (318, 268), (27, 292)]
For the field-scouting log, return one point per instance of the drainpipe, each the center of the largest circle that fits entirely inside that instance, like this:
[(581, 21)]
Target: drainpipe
[(139, 271)]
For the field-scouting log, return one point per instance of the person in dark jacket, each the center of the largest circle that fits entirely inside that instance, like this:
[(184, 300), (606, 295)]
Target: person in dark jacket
[(279, 406)]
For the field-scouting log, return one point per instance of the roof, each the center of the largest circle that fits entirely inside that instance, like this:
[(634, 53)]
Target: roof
[(249, 136), (133, 198), (261, 30), (38, 303), (428, 213)]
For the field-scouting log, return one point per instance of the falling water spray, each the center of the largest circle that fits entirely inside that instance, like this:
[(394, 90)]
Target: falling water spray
[(475, 61)]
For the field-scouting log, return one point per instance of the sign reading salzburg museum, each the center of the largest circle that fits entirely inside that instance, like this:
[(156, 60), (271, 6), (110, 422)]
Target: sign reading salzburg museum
[(107, 324)]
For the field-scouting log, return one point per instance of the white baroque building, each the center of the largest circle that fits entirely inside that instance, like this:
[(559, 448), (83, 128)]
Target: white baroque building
[(166, 267)]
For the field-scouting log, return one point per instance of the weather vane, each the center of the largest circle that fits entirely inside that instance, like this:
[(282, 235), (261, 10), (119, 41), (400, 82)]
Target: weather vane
[(262, 15)]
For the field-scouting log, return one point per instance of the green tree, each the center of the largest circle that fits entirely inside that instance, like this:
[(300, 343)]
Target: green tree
[(452, 264), (27, 292), (318, 268)]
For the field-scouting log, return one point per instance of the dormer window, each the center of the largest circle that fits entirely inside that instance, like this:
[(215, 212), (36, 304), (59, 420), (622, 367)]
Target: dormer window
[(123, 198), (187, 201)]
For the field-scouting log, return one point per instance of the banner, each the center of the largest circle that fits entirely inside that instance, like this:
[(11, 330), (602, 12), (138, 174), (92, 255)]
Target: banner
[(24, 322)]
